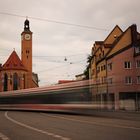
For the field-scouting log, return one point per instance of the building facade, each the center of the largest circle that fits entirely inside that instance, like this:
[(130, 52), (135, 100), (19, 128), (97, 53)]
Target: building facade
[(17, 74), (80, 77), (115, 69)]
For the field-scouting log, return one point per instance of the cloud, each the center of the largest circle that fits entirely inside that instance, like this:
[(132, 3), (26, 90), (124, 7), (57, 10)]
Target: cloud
[(60, 40)]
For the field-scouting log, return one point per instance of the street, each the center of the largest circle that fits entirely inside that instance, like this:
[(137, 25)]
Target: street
[(16, 125)]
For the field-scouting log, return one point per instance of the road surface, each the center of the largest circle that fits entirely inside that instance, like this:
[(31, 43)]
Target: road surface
[(43, 126)]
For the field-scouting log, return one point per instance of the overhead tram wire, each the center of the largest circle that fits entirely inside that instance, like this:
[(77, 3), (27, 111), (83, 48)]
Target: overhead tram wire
[(66, 64), (51, 58), (55, 21), (72, 55)]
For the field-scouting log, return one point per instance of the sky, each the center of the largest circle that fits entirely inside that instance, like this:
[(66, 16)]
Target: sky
[(64, 31)]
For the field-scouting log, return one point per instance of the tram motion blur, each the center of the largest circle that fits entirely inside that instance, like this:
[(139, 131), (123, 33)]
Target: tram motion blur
[(62, 97)]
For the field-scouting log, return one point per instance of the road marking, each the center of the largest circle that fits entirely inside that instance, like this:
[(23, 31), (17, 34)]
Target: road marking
[(35, 129), (3, 137), (95, 123)]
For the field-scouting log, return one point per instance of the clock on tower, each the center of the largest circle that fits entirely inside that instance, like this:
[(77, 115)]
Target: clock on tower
[(27, 36)]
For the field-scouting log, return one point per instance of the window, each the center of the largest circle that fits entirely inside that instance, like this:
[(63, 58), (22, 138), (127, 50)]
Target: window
[(98, 69), (127, 64), (138, 64), (26, 51), (104, 67), (11, 79), (15, 81), (128, 80), (109, 67), (137, 49), (109, 80), (101, 68), (138, 79), (104, 79)]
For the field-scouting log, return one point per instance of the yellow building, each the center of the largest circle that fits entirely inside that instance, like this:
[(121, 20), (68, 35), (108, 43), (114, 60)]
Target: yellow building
[(98, 69)]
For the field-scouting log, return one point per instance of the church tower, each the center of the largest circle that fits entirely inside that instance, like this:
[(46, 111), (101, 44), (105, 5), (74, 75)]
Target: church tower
[(26, 51), (26, 46)]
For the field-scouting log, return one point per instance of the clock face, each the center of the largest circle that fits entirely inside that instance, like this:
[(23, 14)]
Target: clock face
[(27, 36)]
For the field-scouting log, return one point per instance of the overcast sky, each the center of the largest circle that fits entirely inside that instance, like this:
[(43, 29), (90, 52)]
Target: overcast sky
[(53, 42)]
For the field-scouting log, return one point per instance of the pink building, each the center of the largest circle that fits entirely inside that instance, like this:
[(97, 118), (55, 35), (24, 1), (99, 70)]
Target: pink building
[(121, 71)]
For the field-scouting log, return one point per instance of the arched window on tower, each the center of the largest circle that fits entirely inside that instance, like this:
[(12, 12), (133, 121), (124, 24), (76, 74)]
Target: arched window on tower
[(15, 81), (5, 82)]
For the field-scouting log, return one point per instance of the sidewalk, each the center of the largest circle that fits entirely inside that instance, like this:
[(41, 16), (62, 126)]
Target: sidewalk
[(128, 115)]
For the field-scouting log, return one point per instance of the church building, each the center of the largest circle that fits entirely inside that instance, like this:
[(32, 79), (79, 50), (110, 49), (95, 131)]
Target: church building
[(17, 73)]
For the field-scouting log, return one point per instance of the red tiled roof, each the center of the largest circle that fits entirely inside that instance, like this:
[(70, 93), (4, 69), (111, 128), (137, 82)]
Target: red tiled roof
[(13, 63)]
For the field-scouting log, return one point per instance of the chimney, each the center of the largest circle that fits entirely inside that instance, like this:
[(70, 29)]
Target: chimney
[(134, 33)]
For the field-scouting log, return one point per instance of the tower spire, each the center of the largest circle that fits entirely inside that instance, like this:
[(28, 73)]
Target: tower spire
[(26, 25)]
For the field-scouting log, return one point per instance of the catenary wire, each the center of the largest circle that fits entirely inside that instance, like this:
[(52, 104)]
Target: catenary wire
[(55, 21)]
